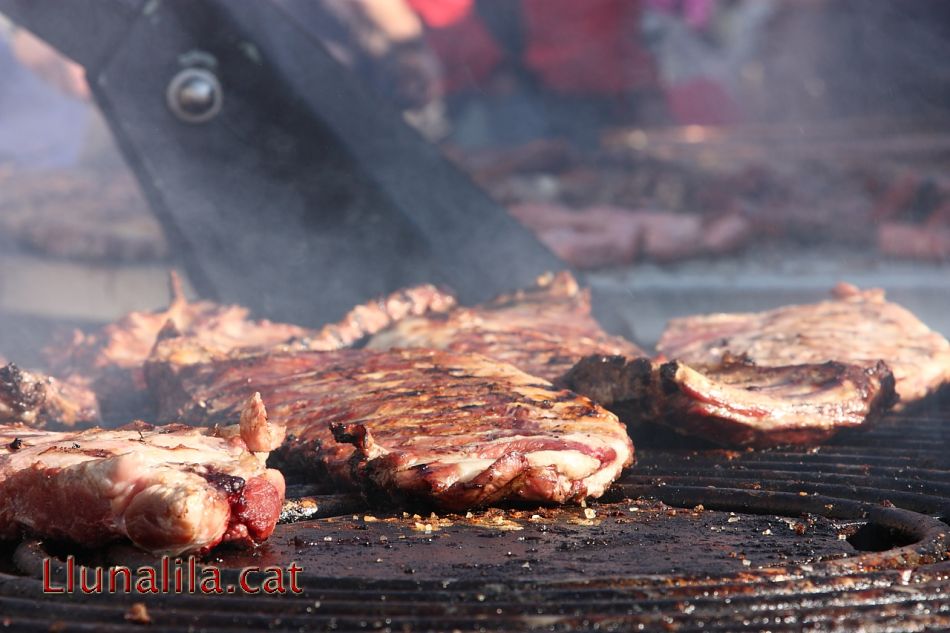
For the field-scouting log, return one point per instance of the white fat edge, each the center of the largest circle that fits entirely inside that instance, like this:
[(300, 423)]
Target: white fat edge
[(570, 463), (600, 479)]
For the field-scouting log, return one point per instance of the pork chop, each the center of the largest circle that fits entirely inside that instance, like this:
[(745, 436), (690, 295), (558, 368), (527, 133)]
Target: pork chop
[(735, 402), (169, 489), (854, 327), (542, 331), (458, 430)]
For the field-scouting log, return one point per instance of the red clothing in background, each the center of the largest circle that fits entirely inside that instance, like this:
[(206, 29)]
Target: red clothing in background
[(466, 49), (586, 47), (582, 47)]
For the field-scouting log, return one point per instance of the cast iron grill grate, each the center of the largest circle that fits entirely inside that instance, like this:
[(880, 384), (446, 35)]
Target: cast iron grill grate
[(849, 536)]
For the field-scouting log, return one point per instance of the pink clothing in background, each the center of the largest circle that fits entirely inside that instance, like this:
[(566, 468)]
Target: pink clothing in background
[(695, 13)]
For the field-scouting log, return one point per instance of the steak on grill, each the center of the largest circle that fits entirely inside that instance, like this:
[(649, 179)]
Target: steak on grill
[(38, 400), (169, 489), (735, 402), (542, 331), (110, 360), (856, 327), (458, 430)]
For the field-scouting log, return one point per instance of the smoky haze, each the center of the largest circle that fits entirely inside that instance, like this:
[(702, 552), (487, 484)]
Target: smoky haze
[(806, 63), (853, 58)]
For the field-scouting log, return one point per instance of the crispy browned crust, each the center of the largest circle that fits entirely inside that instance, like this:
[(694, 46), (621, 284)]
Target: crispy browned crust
[(736, 403), (458, 430), (39, 400), (378, 314), (543, 330), (857, 327), (110, 360)]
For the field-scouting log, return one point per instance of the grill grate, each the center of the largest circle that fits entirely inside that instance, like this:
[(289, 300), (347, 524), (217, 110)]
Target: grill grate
[(884, 491)]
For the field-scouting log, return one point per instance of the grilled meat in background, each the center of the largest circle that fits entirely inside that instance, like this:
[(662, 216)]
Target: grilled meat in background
[(454, 429), (170, 490), (39, 400), (601, 236), (542, 331), (80, 214), (854, 327), (735, 402), (110, 360)]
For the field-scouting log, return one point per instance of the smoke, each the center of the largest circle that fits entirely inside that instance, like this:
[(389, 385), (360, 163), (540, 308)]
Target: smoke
[(851, 58)]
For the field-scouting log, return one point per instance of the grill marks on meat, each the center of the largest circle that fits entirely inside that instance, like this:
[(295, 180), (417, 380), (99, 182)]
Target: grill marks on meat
[(458, 430), (111, 360), (38, 400), (542, 331), (170, 489), (858, 327), (737, 403)]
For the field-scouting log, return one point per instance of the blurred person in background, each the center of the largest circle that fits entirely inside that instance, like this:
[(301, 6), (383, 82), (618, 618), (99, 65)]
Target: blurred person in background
[(516, 70)]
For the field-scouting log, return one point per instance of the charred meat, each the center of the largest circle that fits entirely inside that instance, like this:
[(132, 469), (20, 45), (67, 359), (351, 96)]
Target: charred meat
[(543, 330), (168, 489), (735, 402), (855, 327), (38, 400), (111, 360), (457, 430)]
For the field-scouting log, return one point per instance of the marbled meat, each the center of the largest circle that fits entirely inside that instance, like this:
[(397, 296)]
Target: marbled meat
[(169, 489), (854, 327), (735, 402), (457, 430), (542, 331)]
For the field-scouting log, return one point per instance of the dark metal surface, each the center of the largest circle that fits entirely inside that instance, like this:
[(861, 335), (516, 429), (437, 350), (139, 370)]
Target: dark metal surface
[(88, 31), (850, 536), (306, 194)]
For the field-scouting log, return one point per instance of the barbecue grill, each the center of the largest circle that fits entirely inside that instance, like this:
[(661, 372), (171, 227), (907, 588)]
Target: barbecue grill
[(852, 535)]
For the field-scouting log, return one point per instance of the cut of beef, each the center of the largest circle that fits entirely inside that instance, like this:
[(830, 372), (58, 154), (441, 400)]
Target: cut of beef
[(170, 489), (458, 430), (38, 400), (858, 327), (735, 402), (542, 331), (110, 360)]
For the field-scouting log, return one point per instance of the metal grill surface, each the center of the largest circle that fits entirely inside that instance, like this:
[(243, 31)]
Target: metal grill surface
[(848, 536)]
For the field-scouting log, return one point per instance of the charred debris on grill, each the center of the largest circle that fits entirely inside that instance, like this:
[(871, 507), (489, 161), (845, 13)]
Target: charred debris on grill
[(629, 537), (891, 576), (19, 391)]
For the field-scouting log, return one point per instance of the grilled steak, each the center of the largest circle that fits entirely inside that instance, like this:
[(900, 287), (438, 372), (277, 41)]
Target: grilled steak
[(858, 327), (170, 489), (458, 430), (39, 400), (110, 360), (735, 402), (542, 331)]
